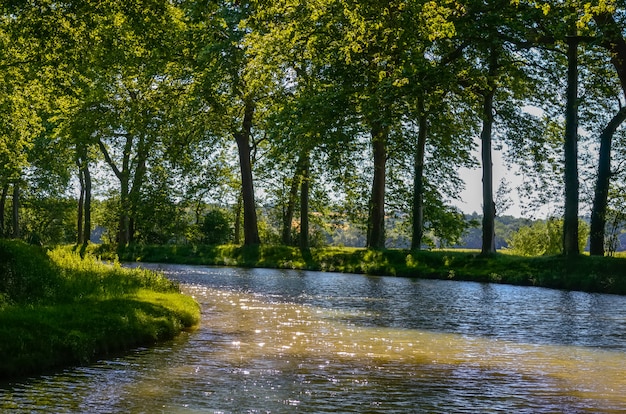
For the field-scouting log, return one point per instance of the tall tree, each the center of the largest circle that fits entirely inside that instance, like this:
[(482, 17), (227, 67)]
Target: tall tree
[(446, 126), (226, 84), (570, 216), (602, 186), (489, 205), (137, 81), (417, 228), (614, 42), (361, 47), (18, 124), (493, 59)]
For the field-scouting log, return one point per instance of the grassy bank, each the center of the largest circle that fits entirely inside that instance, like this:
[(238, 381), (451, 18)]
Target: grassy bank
[(590, 274), (57, 309)]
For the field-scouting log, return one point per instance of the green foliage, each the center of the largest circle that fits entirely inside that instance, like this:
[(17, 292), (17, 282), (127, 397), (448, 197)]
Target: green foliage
[(58, 309), (159, 218), (155, 91), (49, 220), (216, 227), (544, 238), (26, 274), (105, 213)]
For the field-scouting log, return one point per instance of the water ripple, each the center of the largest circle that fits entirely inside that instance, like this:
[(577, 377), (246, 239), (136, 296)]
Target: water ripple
[(300, 341)]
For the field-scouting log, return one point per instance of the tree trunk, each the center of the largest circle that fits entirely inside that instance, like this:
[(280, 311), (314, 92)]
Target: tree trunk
[(601, 192), (81, 202), (134, 195), (132, 226), (87, 205), (376, 223), (489, 206), (250, 226), (238, 207), (123, 175), (418, 180), (3, 203), (616, 45), (16, 211), (124, 224), (291, 202), (198, 212), (570, 218), (304, 204)]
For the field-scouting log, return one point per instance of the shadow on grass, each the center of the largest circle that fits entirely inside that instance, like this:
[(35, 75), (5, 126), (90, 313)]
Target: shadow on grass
[(26, 273), (250, 255), (309, 262)]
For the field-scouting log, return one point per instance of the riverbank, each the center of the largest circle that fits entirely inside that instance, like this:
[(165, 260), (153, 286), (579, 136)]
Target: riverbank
[(584, 273), (57, 309)]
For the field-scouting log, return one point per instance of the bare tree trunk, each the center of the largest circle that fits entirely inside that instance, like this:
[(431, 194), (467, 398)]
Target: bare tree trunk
[(418, 179), (376, 223), (616, 45), (3, 203), (87, 205), (134, 194), (81, 202), (250, 225), (238, 219), (124, 222), (570, 218), (291, 202), (489, 206), (123, 175), (304, 204), (16, 211), (601, 192)]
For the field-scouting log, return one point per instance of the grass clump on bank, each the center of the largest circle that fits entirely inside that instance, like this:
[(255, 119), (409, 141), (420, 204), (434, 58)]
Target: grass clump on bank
[(57, 309), (584, 273)]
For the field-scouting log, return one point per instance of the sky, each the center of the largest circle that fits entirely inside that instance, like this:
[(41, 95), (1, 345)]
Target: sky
[(472, 196)]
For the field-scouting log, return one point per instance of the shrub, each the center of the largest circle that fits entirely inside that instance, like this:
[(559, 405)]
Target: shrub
[(544, 238), (216, 228)]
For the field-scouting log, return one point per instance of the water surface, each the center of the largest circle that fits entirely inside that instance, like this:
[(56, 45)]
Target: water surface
[(286, 341)]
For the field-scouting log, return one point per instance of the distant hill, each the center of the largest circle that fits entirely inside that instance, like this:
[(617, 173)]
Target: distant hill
[(505, 227)]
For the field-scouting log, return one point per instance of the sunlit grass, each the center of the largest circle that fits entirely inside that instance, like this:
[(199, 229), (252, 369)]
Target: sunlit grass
[(59, 309)]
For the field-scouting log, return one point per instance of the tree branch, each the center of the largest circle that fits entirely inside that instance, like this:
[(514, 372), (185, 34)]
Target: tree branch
[(109, 160)]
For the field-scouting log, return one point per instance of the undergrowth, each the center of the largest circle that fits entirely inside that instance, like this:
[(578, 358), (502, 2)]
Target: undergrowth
[(57, 308)]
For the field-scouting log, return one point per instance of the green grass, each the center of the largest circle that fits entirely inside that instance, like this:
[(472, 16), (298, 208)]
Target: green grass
[(57, 309), (584, 273)]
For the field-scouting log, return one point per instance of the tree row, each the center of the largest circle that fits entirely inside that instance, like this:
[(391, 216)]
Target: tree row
[(310, 113)]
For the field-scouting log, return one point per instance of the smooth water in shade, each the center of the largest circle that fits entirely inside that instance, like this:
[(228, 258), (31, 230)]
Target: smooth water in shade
[(285, 341)]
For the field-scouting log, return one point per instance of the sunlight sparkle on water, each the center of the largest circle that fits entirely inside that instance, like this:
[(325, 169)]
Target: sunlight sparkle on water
[(285, 330), (349, 348)]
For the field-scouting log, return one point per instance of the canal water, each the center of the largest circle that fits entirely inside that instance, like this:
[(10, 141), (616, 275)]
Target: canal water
[(294, 341)]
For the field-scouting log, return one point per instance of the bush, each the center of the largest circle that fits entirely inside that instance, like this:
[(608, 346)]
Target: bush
[(216, 228), (545, 238)]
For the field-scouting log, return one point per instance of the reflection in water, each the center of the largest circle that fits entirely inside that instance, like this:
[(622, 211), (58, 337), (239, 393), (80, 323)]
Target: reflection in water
[(285, 341)]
